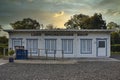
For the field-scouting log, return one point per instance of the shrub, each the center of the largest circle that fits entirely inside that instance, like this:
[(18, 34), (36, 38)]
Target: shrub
[(115, 48), (11, 52)]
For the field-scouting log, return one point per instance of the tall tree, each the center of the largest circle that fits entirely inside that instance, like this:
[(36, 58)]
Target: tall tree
[(112, 25), (76, 22), (26, 23), (115, 37), (85, 22), (3, 40)]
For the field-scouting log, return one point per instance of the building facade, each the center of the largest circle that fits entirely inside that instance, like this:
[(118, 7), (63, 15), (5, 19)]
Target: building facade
[(70, 42)]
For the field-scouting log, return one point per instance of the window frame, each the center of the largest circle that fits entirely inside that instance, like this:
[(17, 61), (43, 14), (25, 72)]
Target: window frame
[(32, 41), (50, 42), (101, 45), (67, 52), (14, 40), (85, 46)]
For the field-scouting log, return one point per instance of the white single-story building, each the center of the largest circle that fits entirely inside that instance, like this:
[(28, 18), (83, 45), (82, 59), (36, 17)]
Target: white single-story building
[(70, 42)]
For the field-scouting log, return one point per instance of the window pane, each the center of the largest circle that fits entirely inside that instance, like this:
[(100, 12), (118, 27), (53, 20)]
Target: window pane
[(70, 46), (16, 42), (86, 46), (32, 46), (50, 44), (101, 44), (28, 45), (67, 46)]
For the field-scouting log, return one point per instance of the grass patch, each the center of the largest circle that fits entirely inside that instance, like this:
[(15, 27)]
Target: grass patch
[(115, 53)]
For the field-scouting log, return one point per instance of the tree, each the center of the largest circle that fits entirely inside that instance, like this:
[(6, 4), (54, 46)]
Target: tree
[(82, 21), (115, 37), (50, 26), (112, 25), (76, 22), (26, 23), (3, 40), (3, 44)]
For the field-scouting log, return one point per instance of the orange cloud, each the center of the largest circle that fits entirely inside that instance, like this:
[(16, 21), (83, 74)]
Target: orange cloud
[(60, 19)]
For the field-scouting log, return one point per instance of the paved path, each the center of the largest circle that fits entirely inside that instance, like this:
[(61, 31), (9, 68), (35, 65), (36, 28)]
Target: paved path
[(59, 61), (3, 61), (65, 61)]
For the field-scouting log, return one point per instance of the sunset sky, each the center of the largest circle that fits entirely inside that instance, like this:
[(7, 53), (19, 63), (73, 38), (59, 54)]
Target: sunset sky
[(56, 12)]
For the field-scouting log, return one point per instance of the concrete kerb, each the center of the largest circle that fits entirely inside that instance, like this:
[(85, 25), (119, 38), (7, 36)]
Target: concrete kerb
[(65, 61), (60, 61)]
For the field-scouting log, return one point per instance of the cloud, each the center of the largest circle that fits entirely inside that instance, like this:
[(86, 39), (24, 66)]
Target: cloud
[(61, 13), (116, 13), (30, 0), (113, 12)]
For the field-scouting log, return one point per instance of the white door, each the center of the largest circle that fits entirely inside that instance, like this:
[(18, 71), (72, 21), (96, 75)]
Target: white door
[(32, 46), (101, 47)]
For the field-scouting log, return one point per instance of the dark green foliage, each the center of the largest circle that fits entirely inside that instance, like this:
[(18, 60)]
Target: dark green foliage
[(76, 21), (115, 38), (11, 52), (115, 53), (115, 48), (26, 23), (85, 22), (3, 44), (112, 25), (3, 40), (1, 50)]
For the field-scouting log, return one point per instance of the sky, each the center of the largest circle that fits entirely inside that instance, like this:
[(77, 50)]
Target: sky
[(56, 12)]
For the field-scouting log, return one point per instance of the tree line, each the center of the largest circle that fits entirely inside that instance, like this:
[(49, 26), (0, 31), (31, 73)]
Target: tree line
[(77, 21)]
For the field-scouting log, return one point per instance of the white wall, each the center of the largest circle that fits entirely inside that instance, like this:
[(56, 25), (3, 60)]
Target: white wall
[(76, 43)]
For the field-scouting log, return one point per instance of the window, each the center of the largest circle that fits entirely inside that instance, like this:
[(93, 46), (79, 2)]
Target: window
[(16, 42), (101, 44), (86, 46), (32, 46), (50, 45), (67, 46)]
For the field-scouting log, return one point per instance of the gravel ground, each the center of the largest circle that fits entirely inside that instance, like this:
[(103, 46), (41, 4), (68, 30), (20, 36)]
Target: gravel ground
[(79, 71)]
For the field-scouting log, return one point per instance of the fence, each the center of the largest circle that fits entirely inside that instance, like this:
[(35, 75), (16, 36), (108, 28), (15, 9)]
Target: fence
[(44, 53), (41, 53)]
